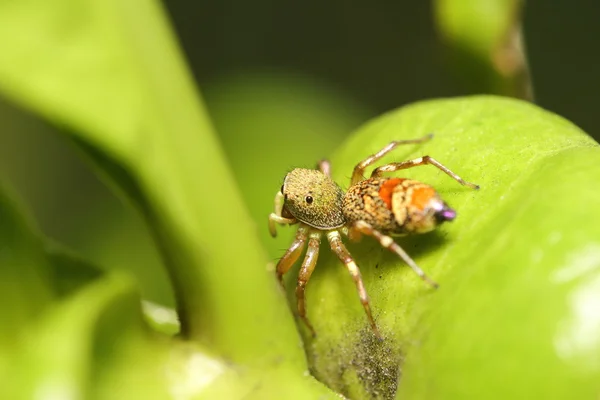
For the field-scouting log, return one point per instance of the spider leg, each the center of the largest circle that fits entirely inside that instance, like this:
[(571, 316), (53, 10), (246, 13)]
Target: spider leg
[(308, 266), (292, 254), (344, 255), (276, 218), (359, 169), (421, 161), (389, 243), (325, 167)]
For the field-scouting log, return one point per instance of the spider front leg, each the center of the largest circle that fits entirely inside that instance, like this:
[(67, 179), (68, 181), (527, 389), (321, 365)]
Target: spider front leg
[(344, 255), (292, 254), (389, 243), (308, 266), (276, 218), (421, 161), (359, 169)]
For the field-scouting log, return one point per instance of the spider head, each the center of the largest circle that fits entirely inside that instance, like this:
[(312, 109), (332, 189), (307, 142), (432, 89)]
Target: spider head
[(313, 198)]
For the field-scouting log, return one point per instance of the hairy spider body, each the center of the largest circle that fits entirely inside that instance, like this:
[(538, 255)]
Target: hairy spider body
[(377, 207)]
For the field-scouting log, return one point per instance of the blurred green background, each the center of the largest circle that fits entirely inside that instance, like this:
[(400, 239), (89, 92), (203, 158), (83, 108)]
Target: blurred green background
[(292, 79)]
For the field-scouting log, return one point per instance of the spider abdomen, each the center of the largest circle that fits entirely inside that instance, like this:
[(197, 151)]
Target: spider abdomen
[(394, 205)]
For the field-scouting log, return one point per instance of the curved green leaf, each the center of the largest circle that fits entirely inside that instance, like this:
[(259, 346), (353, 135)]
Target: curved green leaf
[(111, 72), (508, 305)]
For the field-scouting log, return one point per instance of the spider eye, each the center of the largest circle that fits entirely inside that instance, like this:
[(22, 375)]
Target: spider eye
[(309, 199)]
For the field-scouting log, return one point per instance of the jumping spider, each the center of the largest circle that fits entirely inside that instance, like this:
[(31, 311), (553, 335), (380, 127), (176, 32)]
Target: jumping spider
[(377, 207)]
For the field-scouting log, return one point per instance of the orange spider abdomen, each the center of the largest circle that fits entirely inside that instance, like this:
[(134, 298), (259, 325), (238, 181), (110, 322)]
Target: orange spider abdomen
[(394, 205), (416, 206)]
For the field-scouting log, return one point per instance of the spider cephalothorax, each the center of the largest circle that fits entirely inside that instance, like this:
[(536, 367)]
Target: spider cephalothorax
[(377, 207), (313, 198)]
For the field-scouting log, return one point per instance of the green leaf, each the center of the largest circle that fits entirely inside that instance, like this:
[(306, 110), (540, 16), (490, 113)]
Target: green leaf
[(518, 269), (111, 72)]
